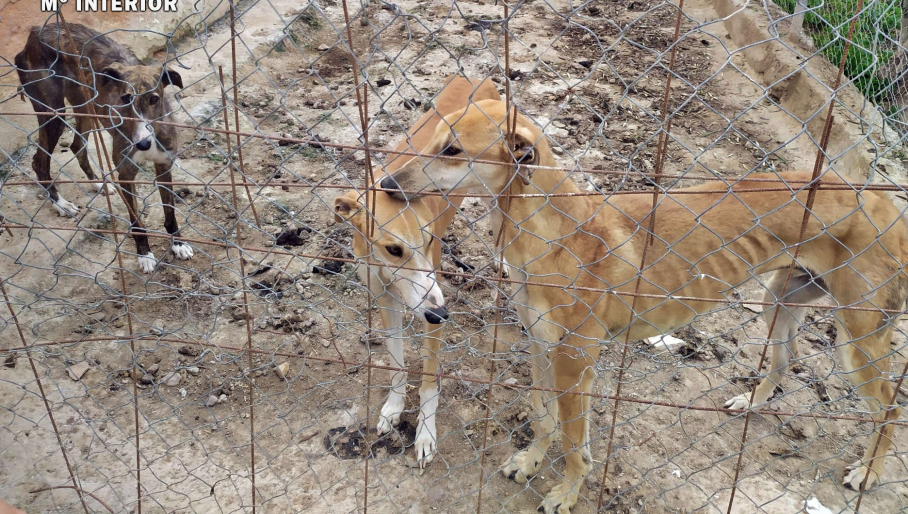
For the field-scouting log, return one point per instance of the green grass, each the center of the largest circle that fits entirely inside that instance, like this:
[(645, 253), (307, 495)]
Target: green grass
[(309, 153), (828, 26), (310, 18)]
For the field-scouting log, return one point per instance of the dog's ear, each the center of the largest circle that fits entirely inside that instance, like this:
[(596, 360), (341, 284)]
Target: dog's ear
[(524, 150), (347, 207), (171, 78), (112, 74)]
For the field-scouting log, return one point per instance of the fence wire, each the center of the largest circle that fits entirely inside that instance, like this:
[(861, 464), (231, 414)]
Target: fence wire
[(268, 370)]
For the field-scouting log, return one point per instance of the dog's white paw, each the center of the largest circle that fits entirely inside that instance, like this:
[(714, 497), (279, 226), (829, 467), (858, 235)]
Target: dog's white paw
[(65, 207), (426, 436), (855, 476), (390, 413), (182, 251), (426, 442), (522, 465), (742, 402), (559, 500), (499, 264), (103, 187), (147, 262)]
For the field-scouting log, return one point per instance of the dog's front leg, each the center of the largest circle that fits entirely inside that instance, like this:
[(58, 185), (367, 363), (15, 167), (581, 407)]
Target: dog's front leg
[(526, 463), (426, 434), (544, 336), (392, 316), (180, 249), (127, 171), (573, 374)]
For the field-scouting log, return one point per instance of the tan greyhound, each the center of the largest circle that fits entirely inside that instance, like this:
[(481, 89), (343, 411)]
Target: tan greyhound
[(409, 236), (704, 244)]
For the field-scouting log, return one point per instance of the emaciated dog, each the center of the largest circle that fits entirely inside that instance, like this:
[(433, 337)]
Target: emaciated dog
[(854, 249), (120, 87), (392, 235)]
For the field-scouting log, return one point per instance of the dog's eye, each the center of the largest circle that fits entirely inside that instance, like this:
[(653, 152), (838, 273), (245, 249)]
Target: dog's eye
[(395, 250), (127, 99), (153, 99), (451, 151)]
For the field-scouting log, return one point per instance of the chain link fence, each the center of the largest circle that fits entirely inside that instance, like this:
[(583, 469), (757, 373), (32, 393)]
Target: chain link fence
[(252, 376)]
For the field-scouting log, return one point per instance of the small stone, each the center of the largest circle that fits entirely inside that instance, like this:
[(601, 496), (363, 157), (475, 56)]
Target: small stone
[(281, 370), (98, 316), (172, 379), (183, 394), (511, 381), (665, 342), (193, 370), (146, 379), (305, 436), (189, 351), (222, 398), (239, 313), (153, 369), (326, 343), (76, 371), (212, 401), (753, 308), (522, 416), (323, 47)]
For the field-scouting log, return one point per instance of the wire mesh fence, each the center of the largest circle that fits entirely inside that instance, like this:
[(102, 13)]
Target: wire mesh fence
[(292, 335)]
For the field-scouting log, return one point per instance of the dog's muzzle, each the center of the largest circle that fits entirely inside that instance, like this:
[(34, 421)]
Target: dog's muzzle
[(144, 144), (392, 187), (436, 315)]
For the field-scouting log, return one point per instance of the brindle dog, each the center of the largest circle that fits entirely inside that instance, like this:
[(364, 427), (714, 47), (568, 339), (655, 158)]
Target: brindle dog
[(119, 86)]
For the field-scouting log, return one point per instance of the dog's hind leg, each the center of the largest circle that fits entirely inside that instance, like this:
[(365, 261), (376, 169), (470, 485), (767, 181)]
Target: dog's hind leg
[(45, 92), (179, 248), (426, 434), (784, 337), (392, 318), (49, 132), (865, 360)]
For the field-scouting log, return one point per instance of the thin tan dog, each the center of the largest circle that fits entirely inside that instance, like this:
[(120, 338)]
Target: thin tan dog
[(704, 244), (391, 234)]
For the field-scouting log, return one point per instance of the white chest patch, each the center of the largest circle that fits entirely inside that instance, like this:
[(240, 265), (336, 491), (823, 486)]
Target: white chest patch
[(154, 154)]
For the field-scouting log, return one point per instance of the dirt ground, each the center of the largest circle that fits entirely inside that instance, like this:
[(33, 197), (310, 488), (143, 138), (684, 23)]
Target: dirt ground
[(592, 78)]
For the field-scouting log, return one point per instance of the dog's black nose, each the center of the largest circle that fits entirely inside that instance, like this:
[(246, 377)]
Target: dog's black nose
[(144, 144), (436, 315), (390, 184)]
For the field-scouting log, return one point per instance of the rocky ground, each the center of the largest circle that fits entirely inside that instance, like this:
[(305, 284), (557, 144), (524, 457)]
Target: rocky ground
[(264, 278)]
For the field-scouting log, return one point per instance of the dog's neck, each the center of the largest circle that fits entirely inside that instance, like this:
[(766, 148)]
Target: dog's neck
[(530, 222)]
